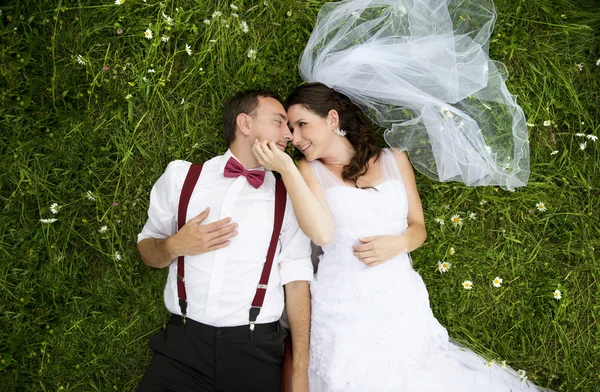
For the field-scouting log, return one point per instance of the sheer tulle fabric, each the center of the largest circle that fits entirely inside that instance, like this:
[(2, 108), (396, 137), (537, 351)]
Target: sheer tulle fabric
[(420, 68)]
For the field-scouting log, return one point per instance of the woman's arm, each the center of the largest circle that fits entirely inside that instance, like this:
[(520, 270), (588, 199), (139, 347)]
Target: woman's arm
[(304, 190), (379, 249), (415, 235)]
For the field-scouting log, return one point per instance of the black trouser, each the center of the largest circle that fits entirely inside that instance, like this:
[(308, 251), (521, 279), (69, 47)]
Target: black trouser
[(198, 357)]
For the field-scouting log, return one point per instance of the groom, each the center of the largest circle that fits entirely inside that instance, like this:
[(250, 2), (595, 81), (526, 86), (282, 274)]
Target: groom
[(242, 248)]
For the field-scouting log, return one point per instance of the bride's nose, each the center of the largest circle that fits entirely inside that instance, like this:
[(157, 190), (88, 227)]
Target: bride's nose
[(297, 137)]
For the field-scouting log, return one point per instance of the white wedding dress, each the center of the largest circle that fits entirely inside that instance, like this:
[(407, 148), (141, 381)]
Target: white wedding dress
[(372, 328)]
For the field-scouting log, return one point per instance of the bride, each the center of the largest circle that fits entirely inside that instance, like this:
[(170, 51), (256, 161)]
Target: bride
[(372, 328), (413, 67)]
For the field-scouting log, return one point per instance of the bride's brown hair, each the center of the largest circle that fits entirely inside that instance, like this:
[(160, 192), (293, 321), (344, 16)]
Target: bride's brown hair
[(320, 99)]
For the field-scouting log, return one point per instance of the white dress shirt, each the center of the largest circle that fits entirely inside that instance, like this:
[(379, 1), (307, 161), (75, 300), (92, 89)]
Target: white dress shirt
[(221, 284)]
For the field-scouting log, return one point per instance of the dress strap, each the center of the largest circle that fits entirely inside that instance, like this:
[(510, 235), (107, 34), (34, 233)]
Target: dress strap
[(389, 167), (326, 178)]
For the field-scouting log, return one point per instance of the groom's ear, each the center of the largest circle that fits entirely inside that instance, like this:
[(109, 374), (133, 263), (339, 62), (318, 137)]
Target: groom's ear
[(243, 122), (334, 118)]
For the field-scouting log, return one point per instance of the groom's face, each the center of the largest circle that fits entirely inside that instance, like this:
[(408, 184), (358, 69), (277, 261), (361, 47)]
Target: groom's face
[(269, 122)]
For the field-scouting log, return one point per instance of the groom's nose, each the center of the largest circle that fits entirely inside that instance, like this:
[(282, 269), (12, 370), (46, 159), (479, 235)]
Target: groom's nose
[(287, 134)]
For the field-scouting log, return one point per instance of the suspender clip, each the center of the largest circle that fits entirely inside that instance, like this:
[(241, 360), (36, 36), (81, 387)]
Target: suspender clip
[(254, 311)]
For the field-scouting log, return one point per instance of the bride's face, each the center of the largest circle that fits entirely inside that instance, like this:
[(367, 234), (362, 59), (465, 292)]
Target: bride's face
[(312, 134)]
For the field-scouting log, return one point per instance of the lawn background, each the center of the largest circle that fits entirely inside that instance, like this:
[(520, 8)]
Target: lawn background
[(77, 305)]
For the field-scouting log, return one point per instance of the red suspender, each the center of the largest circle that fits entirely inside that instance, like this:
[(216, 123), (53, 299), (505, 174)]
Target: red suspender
[(186, 193), (261, 289), (184, 200)]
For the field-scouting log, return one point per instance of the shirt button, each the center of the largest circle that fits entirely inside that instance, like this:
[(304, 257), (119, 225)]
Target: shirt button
[(219, 332)]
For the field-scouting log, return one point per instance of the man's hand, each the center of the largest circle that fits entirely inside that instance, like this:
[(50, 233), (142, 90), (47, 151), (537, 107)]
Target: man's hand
[(378, 249), (195, 238)]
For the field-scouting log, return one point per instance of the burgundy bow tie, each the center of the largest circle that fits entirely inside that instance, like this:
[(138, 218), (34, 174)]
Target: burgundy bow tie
[(235, 169)]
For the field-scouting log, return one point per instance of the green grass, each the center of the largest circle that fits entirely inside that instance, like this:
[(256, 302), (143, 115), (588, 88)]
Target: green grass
[(73, 317)]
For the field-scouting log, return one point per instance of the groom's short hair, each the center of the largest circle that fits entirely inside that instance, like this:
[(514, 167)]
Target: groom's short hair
[(242, 102)]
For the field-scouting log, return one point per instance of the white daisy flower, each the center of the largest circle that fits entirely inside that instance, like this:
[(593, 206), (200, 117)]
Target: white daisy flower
[(541, 206), (557, 294), (144, 79), (90, 196), (530, 125), (151, 70), (51, 220), (491, 363), (472, 216), (148, 34), (216, 14), (579, 67), (497, 282), (521, 373), (503, 364), (251, 54), (234, 7), (245, 28), (452, 251), (103, 229), (212, 41), (182, 101), (80, 59), (118, 256), (226, 25), (592, 137), (598, 63), (580, 134), (582, 146), (547, 123), (456, 220), (119, 2), (206, 21), (467, 285), (54, 208), (128, 96), (164, 38), (168, 19), (188, 49), (488, 149), (439, 221), (554, 152), (289, 13), (482, 202), (235, 15), (443, 266)]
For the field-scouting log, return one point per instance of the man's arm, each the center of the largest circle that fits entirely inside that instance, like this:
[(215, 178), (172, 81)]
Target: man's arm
[(193, 238), (297, 302), (156, 253)]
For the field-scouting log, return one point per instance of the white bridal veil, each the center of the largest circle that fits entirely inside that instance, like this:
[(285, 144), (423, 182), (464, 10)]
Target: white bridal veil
[(420, 69)]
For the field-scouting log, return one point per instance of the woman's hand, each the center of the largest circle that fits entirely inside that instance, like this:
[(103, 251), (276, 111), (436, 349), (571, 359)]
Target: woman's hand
[(379, 249), (272, 158)]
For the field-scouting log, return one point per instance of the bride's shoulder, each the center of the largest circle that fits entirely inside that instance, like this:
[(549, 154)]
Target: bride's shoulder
[(304, 167), (399, 155)]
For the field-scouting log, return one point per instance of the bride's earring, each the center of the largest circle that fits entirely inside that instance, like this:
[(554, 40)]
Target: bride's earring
[(340, 132)]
